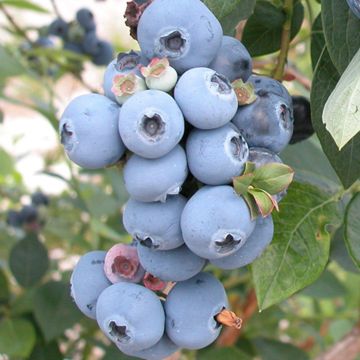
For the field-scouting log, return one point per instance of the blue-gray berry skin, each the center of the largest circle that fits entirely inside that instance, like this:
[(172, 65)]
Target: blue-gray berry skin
[(151, 123), (131, 316), (154, 179), (232, 60), (255, 245), (191, 307), (206, 98), (86, 19), (268, 122), (76, 48), (216, 156), (155, 224), (170, 265), (104, 54), (161, 350), (261, 156), (265, 85), (91, 43), (124, 63), (216, 222), (186, 32), (59, 27), (88, 130), (88, 280), (354, 5)]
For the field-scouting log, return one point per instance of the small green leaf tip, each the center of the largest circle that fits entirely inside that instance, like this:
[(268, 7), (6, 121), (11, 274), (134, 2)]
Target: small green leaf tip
[(259, 185), (245, 92)]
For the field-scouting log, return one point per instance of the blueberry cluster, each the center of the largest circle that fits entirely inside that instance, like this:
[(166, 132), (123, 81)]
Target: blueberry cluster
[(80, 37), (29, 217), (199, 137)]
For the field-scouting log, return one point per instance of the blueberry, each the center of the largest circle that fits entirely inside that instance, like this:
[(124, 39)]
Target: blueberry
[(191, 307), (91, 43), (255, 245), (59, 27), (170, 265), (267, 122), (264, 85), (303, 128), (216, 156), (206, 98), (232, 60), (216, 222), (185, 32), (38, 198), (88, 129), (88, 280), (29, 214), (157, 225), (104, 54), (354, 5), (76, 48), (14, 219), (124, 63), (44, 42), (131, 316), (86, 19), (161, 350), (154, 179), (122, 264), (151, 123)]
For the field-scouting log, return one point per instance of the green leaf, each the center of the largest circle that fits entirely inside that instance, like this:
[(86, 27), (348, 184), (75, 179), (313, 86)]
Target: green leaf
[(4, 288), (273, 177), (28, 261), (17, 337), (317, 41), (6, 163), (269, 349), (346, 162), (231, 12), (54, 309), (23, 303), (341, 29), (265, 203), (262, 32), (327, 286), (9, 65), (242, 183), (352, 229), (228, 353), (24, 4), (300, 248), (48, 351), (341, 114), (102, 229)]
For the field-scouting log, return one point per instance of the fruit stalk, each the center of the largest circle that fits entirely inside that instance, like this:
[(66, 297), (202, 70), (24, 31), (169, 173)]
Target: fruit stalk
[(229, 318), (285, 40)]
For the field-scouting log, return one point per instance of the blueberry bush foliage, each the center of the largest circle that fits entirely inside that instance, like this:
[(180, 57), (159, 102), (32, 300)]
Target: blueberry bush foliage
[(299, 299)]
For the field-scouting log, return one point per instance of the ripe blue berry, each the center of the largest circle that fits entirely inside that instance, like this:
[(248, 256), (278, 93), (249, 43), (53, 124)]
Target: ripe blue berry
[(216, 222), (124, 63), (151, 123), (191, 307), (88, 129), (157, 225), (170, 265), (59, 27), (88, 280), (255, 245), (216, 156), (186, 32), (104, 53), (154, 179), (86, 19), (206, 98), (232, 60), (268, 122), (131, 316)]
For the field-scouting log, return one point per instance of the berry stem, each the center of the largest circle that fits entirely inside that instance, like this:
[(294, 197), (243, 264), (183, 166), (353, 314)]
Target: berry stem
[(285, 40), (56, 9), (229, 318), (14, 24)]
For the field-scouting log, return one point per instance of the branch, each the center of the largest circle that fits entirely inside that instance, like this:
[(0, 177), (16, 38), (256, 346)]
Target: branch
[(56, 9), (347, 348), (285, 40), (14, 24)]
